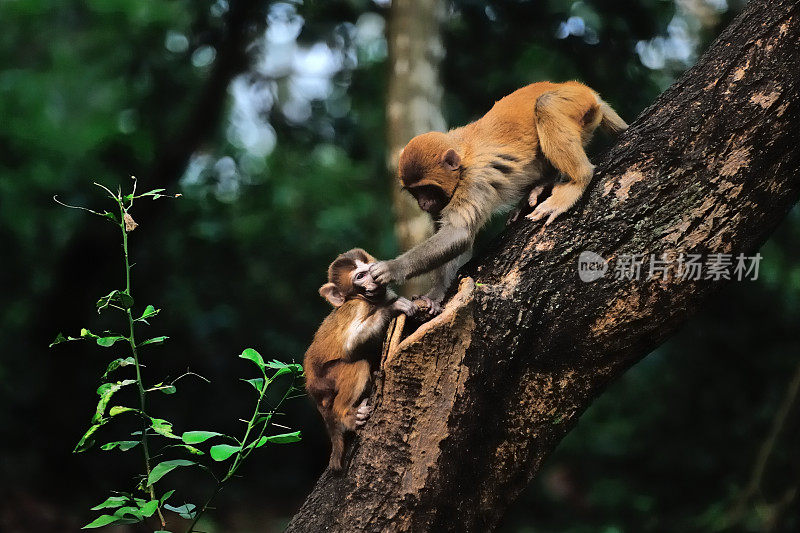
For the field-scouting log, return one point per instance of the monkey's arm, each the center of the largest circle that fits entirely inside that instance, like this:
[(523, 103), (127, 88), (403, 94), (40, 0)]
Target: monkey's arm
[(443, 246), (376, 323), (444, 275)]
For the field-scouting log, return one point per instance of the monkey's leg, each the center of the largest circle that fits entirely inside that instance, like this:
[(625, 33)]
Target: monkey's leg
[(353, 380), (336, 433), (561, 139), (443, 277), (324, 400)]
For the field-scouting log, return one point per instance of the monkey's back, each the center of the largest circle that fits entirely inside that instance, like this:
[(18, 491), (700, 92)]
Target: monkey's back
[(511, 121)]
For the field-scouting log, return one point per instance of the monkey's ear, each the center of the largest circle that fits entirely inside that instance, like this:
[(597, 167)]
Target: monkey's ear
[(330, 292), (451, 160)]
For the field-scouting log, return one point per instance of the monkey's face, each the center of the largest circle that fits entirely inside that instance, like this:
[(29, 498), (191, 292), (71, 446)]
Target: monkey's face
[(430, 169), (364, 283), (431, 198)]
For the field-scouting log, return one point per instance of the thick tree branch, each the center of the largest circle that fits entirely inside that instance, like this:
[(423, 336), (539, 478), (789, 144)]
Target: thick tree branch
[(473, 402)]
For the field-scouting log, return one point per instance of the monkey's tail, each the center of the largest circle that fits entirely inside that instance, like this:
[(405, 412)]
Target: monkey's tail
[(610, 121)]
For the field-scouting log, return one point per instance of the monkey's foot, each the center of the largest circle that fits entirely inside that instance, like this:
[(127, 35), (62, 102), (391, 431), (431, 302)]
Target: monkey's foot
[(362, 413), (533, 197), (427, 305), (564, 196)]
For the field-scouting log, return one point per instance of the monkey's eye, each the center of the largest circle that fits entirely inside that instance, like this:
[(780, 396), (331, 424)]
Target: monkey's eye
[(360, 275)]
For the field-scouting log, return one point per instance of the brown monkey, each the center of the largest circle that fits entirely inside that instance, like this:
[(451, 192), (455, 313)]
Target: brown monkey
[(461, 177), (339, 363)]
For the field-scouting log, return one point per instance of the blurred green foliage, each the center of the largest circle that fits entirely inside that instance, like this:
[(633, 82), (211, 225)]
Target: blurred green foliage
[(294, 174)]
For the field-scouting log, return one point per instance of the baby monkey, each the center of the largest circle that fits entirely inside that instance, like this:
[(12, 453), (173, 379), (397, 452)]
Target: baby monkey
[(345, 350)]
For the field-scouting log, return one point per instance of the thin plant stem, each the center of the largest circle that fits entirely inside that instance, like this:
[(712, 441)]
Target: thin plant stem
[(132, 341), (243, 452)]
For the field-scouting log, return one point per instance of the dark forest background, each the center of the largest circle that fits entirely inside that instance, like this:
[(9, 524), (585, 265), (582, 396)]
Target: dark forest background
[(279, 154)]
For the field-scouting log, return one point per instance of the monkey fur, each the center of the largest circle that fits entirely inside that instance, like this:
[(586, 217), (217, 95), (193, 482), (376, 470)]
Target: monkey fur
[(463, 176), (339, 363)]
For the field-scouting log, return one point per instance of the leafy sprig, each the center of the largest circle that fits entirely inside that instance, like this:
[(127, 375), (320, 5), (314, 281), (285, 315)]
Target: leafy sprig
[(144, 503)]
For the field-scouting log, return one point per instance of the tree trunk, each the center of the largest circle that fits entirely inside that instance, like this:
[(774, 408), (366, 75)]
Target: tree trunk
[(412, 107), (474, 401)]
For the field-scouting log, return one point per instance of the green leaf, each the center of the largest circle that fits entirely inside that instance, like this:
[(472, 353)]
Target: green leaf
[(106, 391), (185, 511), (282, 371), (130, 510), (149, 508), (61, 338), (196, 437), (112, 502), (221, 452), (58, 340), (87, 441), (253, 356), (283, 438), (191, 449), (123, 445), (154, 340), (108, 341), (258, 383), (149, 311), (166, 496), (163, 427), (263, 417), (166, 389), (118, 363), (294, 367), (102, 520), (284, 368), (116, 298), (153, 193), (165, 467), (119, 409)]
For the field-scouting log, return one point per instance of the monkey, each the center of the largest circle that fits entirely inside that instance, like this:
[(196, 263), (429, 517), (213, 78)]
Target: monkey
[(339, 363), (465, 175)]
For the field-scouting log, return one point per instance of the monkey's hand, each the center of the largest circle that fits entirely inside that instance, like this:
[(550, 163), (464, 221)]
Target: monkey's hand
[(405, 306), (564, 196), (386, 272), (427, 305)]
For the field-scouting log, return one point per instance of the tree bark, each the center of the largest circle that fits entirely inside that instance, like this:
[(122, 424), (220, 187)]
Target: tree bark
[(412, 107), (473, 402)]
